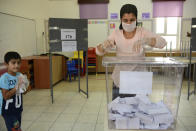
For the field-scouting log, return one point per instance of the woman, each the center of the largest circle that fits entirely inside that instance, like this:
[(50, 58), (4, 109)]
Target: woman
[(128, 41)]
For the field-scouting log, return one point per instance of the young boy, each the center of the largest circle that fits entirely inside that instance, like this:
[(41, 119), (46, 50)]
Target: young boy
[(12, 104)]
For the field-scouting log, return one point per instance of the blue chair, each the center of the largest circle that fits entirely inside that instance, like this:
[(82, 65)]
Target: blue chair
[(71, 69)]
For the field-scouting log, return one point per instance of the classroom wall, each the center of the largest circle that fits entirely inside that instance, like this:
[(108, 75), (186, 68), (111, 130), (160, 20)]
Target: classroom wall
[(189, 9), (33, 9), (41, 10), (115, 6)]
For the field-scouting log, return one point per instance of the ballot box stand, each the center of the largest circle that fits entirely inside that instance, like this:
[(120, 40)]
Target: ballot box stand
[(167, 76)]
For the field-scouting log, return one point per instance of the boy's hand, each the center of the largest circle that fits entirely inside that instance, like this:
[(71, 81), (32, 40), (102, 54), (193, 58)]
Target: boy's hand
[(20, 81)]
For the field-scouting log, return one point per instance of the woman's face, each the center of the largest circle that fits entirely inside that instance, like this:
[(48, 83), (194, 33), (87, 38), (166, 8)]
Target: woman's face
[(128, 18)]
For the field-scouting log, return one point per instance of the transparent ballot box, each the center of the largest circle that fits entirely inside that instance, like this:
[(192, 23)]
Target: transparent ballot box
[(143, 92)]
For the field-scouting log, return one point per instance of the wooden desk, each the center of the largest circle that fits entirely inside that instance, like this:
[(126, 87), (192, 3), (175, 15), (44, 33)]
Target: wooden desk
[(41, 70)]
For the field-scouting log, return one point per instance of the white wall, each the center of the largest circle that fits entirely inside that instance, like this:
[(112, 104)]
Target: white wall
[(34, 9), (142, 6), (41, 10), (189, 10)]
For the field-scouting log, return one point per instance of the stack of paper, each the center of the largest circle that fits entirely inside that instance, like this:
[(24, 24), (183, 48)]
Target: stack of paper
[(139, 113)]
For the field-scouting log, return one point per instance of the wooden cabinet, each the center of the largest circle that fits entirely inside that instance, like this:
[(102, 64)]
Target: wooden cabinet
[(27, 69), (37, 69), (42, 72), (100, 67)]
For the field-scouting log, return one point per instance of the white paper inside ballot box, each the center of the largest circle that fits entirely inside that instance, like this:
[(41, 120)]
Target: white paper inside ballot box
[(135, 82)]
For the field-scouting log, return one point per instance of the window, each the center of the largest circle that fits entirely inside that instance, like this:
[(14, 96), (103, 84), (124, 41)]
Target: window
[(168, 28)]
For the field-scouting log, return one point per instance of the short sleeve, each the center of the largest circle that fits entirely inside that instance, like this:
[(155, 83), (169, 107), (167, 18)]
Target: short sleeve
[(4, 82)]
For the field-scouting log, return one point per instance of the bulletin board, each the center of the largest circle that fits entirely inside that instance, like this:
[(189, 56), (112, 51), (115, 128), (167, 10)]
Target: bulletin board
[(97, 32), (17, 34), (78, 27)]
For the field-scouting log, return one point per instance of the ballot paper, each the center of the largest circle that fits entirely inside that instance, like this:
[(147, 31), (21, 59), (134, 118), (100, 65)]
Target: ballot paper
[(123, 108), (127, 123), (139, 113), (152, 108), (25, 84), (151, 126), (144, 118), (135, 82), (144, 99)]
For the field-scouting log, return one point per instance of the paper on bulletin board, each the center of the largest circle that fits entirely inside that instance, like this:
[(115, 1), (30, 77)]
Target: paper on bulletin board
[(69, 46), (112, 25), (68, 34), (135, 82)]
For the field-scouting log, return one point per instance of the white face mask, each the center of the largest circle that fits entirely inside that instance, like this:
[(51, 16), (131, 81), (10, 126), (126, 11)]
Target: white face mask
[(129, 27)]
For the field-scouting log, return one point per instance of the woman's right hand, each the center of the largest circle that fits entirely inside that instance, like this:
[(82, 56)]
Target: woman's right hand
[(100, 48), (105, 45), (108, 44)]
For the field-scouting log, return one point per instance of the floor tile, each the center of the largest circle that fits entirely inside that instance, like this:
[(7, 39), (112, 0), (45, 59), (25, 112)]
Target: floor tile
[(40, 126), (63, 126), (67, 118), (47, 117), (83, 127), (86, 118)]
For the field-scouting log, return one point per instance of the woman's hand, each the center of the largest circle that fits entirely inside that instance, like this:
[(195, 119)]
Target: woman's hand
[(152, 42), (106, 44), (138, 45)]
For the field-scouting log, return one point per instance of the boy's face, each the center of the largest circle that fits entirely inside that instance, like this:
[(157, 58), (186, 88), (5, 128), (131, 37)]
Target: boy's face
[(14, 65)]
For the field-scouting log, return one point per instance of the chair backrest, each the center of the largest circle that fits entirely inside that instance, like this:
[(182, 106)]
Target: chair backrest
[(76, 54), (71, 64), (91, 50)]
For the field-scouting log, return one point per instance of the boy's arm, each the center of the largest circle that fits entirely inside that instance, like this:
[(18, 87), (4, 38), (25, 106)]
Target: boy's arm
[(7, 94)]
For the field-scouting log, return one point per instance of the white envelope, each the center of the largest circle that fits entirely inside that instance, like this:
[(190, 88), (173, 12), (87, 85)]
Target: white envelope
[(135, 82)]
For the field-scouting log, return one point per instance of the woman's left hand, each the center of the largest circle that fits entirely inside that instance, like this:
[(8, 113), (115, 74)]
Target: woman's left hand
[(137, 46)]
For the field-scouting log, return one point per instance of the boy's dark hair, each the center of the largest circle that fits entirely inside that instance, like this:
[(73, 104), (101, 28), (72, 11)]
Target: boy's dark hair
[(11, 55), (127, 8)]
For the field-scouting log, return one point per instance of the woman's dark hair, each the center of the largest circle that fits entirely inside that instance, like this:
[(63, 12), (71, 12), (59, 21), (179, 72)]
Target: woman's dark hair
[(11, 55), (127, 8)]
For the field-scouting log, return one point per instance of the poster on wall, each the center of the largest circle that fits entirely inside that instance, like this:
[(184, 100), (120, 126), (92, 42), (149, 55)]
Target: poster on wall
[(112, 25), (69, 46), (146, 15), (68, 34), (114, 16)]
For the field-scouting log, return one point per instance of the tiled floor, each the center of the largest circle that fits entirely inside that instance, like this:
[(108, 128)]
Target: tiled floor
[(71, 110)]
